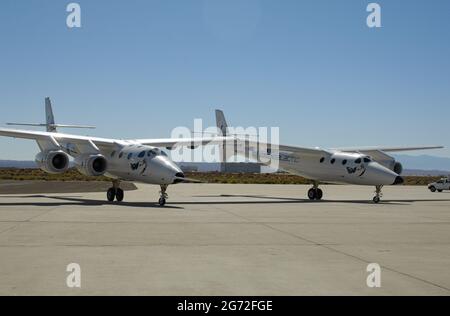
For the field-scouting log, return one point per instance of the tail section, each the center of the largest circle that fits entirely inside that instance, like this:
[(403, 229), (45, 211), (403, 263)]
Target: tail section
[(221, 122), (50, 120)]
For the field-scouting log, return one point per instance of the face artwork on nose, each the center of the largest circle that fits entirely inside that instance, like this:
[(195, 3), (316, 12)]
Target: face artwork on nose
[(359, 170), (140, 166)]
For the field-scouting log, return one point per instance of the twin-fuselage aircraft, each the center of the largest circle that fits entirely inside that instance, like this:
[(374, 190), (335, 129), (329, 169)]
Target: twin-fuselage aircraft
[(145, 161)]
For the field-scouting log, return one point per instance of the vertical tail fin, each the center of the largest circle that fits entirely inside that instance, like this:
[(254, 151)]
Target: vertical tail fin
[(50, 119), (221, 122)]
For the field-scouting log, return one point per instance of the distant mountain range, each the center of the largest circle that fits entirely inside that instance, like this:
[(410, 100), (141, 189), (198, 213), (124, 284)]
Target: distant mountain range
[(17, 164), (423, 165)]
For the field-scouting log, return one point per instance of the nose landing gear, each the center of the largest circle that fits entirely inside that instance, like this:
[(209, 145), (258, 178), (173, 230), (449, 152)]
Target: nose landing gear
[(315, 193), (163, 195), (115, 193), (378, 194)]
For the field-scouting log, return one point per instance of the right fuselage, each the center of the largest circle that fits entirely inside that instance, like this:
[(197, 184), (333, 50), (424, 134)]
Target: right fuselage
[(340, 167)]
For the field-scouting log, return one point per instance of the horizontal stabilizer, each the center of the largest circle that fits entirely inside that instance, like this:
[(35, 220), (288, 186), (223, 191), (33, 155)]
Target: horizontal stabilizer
[(52, 126)]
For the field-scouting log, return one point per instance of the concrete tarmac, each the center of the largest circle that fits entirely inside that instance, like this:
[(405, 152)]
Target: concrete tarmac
[(214, 239)]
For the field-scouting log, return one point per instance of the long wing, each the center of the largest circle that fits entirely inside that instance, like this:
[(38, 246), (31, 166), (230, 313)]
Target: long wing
[(74, 144), (304, 151), (387, 149), (178, 142)]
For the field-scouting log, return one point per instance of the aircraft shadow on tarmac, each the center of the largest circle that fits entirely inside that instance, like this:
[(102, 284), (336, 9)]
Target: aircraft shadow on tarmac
[(78, 201), (297, 200), (258, 199)]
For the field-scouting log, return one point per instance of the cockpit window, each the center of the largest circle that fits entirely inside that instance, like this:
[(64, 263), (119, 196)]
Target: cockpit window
[(344, 162), (141, 154), (367, 159), (332, 161), (163, 153), (129, 156), (121, 155), (358, 160)]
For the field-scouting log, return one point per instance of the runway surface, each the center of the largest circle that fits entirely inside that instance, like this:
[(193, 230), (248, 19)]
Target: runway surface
[(227, 240)]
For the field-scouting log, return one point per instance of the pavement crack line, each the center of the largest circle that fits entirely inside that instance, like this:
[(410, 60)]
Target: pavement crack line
[(28, 220), (324, 245)]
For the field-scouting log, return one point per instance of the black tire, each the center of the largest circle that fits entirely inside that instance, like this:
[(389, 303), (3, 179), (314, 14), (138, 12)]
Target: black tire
[(433, 189), (119, 195), (319, 194), (111, 194), (440, 191), (162, 202), (312, 194), (376, 200)]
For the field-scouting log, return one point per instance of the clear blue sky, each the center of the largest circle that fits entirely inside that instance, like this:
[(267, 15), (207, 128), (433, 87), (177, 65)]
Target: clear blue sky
[(138, 68)]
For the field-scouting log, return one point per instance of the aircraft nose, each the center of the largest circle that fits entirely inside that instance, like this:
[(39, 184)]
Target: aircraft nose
[(168, 171), (398, 180), (381, 175), (179, 177)]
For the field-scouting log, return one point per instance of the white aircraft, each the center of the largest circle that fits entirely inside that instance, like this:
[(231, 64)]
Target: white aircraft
[(129, 160), (142, 160), (361, 166)]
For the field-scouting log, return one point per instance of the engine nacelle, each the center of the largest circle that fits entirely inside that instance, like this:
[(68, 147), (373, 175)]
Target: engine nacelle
[(53, 161), (91, 165), (398, 168)]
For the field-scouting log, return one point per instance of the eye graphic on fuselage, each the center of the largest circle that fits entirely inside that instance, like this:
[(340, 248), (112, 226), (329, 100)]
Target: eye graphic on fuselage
[(361, 169), (136, 165)]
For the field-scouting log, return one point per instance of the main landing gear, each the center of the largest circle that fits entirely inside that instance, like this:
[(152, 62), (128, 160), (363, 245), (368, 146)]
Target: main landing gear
[(315, 193), (163, 195), (378, 194), (115, 193)]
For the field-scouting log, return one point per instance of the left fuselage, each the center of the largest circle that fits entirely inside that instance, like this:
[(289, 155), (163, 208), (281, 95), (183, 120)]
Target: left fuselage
[(142, 164)]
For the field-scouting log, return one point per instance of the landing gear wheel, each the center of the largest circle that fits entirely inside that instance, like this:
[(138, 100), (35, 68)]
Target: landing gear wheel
[(319, 194), (440, 191), (111, 194), (163, 195), (433, 189), (315, 194), (119, 195), (312, 194), (378, 193)]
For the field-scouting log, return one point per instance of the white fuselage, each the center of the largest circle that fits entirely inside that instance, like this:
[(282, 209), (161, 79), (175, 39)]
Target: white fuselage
[(340, 167), (141, 163)]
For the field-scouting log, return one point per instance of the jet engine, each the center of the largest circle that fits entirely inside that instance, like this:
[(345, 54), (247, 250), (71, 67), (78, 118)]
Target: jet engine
[(398, 168), (91, 165), (53, 161)]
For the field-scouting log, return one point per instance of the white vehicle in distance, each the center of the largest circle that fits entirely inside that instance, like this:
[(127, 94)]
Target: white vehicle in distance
[(440, 185)]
